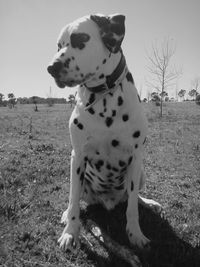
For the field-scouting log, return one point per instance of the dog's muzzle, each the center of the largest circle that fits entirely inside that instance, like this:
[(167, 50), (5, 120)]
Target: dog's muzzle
[(55, 69)]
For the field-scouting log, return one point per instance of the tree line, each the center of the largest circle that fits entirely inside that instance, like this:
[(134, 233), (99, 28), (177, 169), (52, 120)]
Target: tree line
[(12, 100)]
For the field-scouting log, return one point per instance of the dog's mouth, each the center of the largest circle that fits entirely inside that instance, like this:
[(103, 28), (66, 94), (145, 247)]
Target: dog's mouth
[(60, 84), (63, 84)]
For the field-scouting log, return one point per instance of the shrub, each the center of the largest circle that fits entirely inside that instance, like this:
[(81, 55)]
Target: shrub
[(198, 100)]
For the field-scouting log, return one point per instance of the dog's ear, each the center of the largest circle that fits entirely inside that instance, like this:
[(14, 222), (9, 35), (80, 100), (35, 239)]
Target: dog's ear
[(112, 30)]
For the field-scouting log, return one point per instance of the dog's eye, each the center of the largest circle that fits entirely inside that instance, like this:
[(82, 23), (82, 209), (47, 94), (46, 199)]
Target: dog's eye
[(78, 40)]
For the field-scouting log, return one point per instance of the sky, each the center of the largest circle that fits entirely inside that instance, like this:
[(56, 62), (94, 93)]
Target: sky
[(29, 30)]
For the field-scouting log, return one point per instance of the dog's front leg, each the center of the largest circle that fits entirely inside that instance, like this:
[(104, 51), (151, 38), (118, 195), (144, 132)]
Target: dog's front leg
[(134, 232), (69, 237)]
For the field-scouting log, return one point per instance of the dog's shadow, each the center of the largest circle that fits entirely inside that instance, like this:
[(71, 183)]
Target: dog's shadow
[(166, 248)]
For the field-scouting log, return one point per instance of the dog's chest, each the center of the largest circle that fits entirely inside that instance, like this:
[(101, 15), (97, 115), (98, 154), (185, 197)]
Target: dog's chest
[(107, 160), (108, 133)]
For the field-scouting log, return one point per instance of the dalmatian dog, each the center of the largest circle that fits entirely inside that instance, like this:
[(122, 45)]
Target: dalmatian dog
[(107, 127)]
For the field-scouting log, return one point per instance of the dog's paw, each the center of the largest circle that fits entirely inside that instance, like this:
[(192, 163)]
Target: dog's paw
[(136, 237), (65, 217), (138, 240), (68, 242)]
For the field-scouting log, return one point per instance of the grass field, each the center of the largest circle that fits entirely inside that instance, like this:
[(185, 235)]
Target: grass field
[(34, 184)]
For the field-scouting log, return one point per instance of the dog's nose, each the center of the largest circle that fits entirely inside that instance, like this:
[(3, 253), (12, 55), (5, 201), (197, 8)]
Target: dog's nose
[(55, 69)]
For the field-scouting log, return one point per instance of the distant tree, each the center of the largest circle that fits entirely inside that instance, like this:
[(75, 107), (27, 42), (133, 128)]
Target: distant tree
[(198, 99), (71, 99), (12, 100), (196, 84), (155, 97), (34, 100), (1, 99), (163, 95), (193, 93), (162, 76), (172, 99), (167, 99), (181, 93)]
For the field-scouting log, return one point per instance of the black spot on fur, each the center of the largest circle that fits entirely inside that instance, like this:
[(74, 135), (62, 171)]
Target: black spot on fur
[(109, 121), (129, 77), (130, 160), (101, 76), (99, 164), (73, 218), (82, 177), (125, 117), (91, 98), (77, 68), (101, 114), (91, 111), (108, 166), (136, 146), (66, 63), (78, 170), (80, 126), (145, 139), (120, 187), (115, 169), (114, 113), (122, 163), (75, 121), (115, 142), (78, 40), (132, 186), (136, 134), (120, 101), (104, 102), (104, 61)]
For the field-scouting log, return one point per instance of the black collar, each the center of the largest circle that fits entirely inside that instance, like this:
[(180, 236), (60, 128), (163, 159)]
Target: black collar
[(110, 79)]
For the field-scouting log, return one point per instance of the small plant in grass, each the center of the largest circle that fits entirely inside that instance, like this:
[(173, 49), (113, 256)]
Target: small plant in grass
[(34, 99), (12, 100)]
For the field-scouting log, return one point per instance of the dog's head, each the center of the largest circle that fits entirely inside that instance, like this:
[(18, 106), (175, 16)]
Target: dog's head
[(84, 46)]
